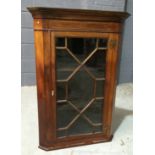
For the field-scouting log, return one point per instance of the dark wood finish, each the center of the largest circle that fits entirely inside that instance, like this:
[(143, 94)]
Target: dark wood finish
[(75, 25), (50, 23), (77, 14)]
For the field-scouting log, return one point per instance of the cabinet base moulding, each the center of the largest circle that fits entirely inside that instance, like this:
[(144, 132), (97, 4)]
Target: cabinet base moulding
[(56, 147)]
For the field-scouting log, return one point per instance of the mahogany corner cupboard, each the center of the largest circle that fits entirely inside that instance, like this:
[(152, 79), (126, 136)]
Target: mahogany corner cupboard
[(76, 65)]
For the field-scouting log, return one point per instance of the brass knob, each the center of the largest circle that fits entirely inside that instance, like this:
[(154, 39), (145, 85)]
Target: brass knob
[(52, 92)]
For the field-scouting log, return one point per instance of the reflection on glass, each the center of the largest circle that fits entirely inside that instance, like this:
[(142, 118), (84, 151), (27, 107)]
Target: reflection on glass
[(80, 84)]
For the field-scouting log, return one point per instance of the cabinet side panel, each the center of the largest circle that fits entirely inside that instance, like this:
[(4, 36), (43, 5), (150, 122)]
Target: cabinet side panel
[(111, 79), (45, 84), (50, 134), (39, 51)]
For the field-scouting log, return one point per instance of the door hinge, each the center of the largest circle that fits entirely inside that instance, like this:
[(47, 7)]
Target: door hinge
[(113, 43)]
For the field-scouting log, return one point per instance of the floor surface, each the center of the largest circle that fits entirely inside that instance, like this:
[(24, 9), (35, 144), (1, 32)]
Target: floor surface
[(122, 127)]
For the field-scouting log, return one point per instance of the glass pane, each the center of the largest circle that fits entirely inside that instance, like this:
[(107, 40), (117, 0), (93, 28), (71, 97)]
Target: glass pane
[(80, 88), (96, 64), (65, 64), (81, 126), (81, 47), (98, 129), (65, 114), (61, 93), (99, 88), (62, 133), (94, 112), (60, 42), (102, 43), (80, 72)]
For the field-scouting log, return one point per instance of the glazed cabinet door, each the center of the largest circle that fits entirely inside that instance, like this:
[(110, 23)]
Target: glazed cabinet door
[(83, 83)]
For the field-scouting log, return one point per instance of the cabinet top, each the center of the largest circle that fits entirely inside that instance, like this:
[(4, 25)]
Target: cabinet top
[(77, 14)]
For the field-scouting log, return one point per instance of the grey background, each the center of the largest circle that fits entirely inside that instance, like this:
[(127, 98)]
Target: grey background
[(27, 38)]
